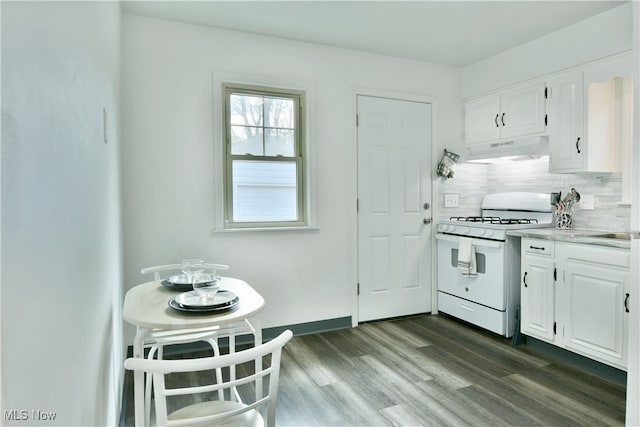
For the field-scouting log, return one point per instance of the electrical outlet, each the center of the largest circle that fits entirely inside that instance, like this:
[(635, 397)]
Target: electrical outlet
[(587, 202), (450, 200)]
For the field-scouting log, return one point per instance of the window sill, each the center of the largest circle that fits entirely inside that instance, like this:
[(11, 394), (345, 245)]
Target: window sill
[(267, 229)]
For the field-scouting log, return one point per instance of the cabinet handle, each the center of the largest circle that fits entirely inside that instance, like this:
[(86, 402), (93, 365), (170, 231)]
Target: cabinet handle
[(496, 120), (626, 303), (540, 248), (524, 280), (502, 119), (578, 145)]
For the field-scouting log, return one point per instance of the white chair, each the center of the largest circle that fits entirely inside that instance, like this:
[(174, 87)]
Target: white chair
[(157, 340), (246, 402)]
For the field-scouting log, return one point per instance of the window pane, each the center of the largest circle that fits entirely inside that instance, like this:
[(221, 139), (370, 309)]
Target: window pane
[(246, 109), (264, 191), (279, 142), (278, 112), (246, 140)]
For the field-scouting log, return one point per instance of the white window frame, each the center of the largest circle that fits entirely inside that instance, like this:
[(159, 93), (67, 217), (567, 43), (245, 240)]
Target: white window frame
[(306, 176)]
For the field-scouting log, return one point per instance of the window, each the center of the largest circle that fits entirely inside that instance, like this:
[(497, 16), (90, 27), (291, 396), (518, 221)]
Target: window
[(264, 162)]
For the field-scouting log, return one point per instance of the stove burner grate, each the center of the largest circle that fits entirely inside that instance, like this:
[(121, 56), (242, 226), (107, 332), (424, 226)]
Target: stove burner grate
[(493, 220)]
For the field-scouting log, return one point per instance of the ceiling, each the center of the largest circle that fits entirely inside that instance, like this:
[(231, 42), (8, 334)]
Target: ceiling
[(447, 32)]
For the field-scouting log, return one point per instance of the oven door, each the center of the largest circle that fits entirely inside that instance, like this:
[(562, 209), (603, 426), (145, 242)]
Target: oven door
[(488, 287)]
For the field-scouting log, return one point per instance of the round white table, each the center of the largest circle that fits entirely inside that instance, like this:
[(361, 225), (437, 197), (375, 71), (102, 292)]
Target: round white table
[(147, 307)]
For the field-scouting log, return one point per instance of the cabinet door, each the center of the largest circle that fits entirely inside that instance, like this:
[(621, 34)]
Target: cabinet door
[(481, 119), (567, 141), (537, 297), (523, 111), (595, 321)]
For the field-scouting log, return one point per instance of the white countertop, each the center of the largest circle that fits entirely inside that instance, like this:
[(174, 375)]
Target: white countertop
[(574, 236)]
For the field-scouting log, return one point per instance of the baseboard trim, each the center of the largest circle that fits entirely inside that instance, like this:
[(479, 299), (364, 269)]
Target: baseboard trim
[(594, 367), (309, 327)]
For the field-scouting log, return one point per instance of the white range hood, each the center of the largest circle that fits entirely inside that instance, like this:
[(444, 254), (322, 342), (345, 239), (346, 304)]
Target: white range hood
[(523, 147)]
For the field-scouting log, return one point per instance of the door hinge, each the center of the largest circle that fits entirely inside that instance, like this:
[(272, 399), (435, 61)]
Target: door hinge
[(554, 328), (357, 120), (546, 120), (358, 289), (546, 92), (555, 274), (357, 205)]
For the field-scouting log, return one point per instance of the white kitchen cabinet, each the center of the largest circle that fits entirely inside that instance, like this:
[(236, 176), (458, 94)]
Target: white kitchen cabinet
[(481, 120), (523, 111), (566, 123), (513, 113), (584, 124), (594, 317), (574, 296), (537, 289)]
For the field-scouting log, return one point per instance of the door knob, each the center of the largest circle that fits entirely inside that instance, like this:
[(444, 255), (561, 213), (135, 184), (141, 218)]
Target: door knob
[(427, 220)]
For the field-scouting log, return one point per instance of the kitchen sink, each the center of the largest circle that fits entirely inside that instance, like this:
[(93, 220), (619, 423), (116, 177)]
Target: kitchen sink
[(618, 236)]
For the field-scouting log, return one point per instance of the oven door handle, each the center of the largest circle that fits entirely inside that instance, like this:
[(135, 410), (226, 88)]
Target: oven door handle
[(475, 242)]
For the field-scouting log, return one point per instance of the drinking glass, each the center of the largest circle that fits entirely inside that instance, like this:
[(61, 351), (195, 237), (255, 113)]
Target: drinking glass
[(207, 289), (193, 269)]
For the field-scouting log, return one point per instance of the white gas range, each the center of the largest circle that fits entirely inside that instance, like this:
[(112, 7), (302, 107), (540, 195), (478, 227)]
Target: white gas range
[(479, 264)]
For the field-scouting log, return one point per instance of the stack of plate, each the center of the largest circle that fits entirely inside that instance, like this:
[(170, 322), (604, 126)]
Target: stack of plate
[(191, 302), (180, 282)]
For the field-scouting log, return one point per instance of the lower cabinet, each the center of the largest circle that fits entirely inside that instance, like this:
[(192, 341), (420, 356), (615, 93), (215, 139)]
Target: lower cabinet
[(537, 299), (574, 296)]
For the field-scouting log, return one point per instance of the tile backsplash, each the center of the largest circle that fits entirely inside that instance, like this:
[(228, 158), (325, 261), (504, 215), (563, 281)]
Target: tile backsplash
[(472, 181)]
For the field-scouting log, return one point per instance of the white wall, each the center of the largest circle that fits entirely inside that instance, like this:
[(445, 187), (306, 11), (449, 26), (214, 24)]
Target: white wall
[(168, 158), (633, 373), (606, 34), (61, 236)]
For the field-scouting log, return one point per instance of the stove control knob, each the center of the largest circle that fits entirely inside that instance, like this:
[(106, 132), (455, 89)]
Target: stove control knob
[(451, 228), (464, 230), (481, 232), (489, 233)]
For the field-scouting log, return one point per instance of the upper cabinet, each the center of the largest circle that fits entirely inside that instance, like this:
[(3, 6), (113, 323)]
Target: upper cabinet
[(523, 111), (589, 117), (482, 119), (516, 112), (567, 140), (584, 124), (586, 113)]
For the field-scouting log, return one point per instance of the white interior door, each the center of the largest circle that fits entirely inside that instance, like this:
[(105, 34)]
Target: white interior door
[(394, 199)]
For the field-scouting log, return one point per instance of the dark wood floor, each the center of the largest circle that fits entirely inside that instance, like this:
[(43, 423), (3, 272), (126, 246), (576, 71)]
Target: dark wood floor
[(433, 370)]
